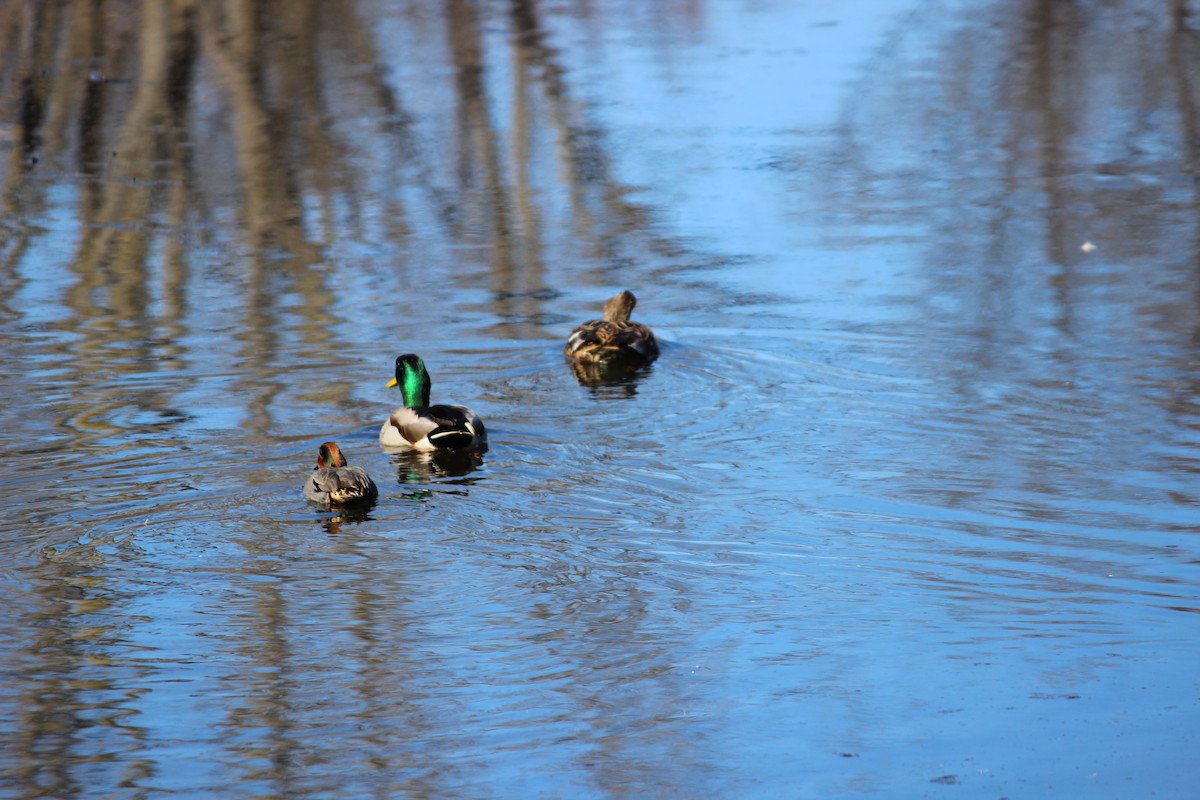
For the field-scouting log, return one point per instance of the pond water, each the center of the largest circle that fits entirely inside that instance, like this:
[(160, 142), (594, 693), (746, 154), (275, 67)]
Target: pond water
[(908, 506)]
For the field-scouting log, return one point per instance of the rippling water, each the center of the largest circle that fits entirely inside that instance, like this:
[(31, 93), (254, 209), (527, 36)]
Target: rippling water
[(907, 506)]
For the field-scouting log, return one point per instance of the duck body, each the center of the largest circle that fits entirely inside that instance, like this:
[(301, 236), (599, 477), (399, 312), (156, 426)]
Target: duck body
[(334, 483), (421, 426), (440, 427), (614, 338)]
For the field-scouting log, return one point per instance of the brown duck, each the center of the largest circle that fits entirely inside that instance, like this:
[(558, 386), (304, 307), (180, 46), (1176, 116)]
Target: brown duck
[(614, 338)]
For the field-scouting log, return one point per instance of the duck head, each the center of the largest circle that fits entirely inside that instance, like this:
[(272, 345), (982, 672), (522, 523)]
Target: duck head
[(413, 380), (330, 455)]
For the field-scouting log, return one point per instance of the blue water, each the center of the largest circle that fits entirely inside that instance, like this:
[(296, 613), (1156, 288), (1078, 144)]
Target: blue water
[(906, 507)]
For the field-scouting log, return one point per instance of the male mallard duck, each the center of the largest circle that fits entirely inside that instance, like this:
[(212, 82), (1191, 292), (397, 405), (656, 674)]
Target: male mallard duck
[(422, 426), (613, 338), (334, 483)]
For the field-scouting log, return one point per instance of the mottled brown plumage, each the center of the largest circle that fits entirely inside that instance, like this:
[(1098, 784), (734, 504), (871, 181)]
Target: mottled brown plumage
[(614, 338)]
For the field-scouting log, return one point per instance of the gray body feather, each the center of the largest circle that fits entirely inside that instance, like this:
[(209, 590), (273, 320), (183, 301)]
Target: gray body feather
[(340, 486), (334, 483)]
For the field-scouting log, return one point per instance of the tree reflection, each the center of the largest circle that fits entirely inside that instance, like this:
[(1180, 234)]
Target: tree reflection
[(233, 196), (1068, 123), (252, 195), (1061, 251)]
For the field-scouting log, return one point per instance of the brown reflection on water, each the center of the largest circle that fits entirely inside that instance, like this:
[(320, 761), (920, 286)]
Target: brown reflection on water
[(1064, 119), (243, 187), (1058, 125), (221, 176), (68, 688), (1052, 166), (610, 380), (200, 135)]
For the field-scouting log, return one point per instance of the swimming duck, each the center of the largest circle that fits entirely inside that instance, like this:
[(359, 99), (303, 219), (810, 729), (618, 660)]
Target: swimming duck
[(334, 483), (613, 338), (424, 427)]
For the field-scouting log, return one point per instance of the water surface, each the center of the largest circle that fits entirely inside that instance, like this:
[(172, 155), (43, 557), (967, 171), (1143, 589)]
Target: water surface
[(906, 508)]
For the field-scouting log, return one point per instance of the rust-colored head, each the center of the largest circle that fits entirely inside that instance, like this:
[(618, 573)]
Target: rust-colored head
[(330, 456)]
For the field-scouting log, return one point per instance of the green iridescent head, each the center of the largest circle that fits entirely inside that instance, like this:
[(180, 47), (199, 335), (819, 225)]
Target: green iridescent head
[(413, 380)]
